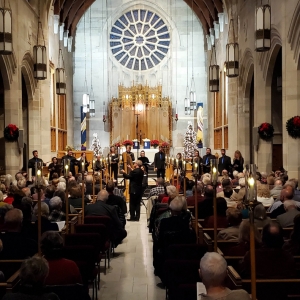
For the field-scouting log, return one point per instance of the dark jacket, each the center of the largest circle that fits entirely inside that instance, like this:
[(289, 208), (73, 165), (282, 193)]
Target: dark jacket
[(206, 162), (224, 164), (89, 189), (54, 169), (31, 164), (136, 180), (117, 200), (86, 165), (159, 160)]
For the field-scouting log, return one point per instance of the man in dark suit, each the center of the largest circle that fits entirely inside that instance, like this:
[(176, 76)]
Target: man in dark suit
[(135, 189), (159, 163), (224, 162), (72, 160), (35, 159), (100, 208), (206, 160)]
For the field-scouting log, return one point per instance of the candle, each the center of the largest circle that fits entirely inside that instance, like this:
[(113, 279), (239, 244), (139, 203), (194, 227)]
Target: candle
[(110, 159), (183, 165), (83, 165), (120, 158), (66, 170), (38, 177), (176, 162), (196, 168), (214, 175), (251, 183), (94, 163)]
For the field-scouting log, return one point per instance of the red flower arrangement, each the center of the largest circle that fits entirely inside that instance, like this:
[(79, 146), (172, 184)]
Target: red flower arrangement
[(154, 143), (117, 145), (11, 133), (266, 131), (127, 143), (293, 127), (165, 145)]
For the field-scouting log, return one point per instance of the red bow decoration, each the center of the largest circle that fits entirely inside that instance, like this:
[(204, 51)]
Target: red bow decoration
[(296, 121)]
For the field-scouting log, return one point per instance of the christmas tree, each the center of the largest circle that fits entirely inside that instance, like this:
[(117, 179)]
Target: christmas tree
[(96, 145), (190, 142)]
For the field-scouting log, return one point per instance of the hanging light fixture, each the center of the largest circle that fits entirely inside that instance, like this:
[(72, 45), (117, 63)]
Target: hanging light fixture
[(92, 97), (208, 40), (232, 53), (40, 57), (66, 33), (212, 36), (187, 104), (5, 30), (193, 102), (86, 96), (214, 73), (104, 115), (221, 21), (263, 28), (70, 41), (217, 29), (60, 75), (55, 23), (61, 31)]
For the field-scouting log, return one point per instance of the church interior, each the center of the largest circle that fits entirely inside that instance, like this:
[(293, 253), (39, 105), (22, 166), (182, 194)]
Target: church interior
[(149, 149)]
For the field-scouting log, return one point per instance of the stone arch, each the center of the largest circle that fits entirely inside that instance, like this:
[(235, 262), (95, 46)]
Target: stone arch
[(27, 71), (267, 59), (293, 36), (246, 71), (8, 65)]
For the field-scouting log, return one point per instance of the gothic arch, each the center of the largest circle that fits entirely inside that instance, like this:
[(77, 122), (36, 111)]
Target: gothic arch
[(246, 71), (267, 59), (294, 33), (27, 71), (8, 65)]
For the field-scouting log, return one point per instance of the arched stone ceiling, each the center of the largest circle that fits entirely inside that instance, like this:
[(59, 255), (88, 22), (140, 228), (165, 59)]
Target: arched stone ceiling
[(71, 11)]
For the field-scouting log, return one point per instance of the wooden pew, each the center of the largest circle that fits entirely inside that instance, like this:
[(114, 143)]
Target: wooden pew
[(10, 284), (267, 289)]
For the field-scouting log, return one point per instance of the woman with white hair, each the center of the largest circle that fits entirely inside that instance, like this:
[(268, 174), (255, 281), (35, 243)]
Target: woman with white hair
[(171, 192)]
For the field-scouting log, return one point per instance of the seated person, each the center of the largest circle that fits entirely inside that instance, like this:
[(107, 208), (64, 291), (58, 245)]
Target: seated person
[(293, 244), (240, 191), (114, 199), (75, 198), (234, 218), (89, 186), (221, 215), (56, 214), (33, 273), (158, 189), (225, 182), (228, 191), (16, 245), (272, 261), (61, 271), (100, 208), (287, 219), (260, 216), (205, 207), (191, 199), (264, 196), (171, 192), (46, 224), (213, 271), (244, 240)]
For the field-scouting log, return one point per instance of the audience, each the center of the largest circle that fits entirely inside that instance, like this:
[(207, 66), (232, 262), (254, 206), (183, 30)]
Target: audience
[(33, 273), (171, 192), (275, 192), (234, 218), (61, 271), (45, 223), (100, 208), (239, 191), (205, 208), (260, 216), (293, 244), (271, 260), (213, 271), (56, 214), (89, 186), (222, 221), (191, 199), (263, 195), (158, 189), (287, 219)]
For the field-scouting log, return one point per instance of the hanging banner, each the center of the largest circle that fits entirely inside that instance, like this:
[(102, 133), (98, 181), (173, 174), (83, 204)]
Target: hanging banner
[(200, 125), (83, 129)]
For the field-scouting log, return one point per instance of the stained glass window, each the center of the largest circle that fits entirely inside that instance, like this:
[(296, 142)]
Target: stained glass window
[(139, 39)]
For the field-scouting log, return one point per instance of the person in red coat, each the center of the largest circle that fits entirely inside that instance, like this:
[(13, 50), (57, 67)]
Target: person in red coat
[(61, 271)]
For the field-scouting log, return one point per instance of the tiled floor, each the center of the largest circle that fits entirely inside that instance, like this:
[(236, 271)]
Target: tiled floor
[(131, 275)]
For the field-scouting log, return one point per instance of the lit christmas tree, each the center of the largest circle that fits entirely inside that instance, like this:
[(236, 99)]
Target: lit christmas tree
[(96, 145), (190, 142)]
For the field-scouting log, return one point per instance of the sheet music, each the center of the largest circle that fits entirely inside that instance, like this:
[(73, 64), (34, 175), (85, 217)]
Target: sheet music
[(61, 225)]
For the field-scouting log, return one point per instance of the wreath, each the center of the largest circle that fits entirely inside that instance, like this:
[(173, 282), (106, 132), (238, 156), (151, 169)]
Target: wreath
[(266, 131), (293, 127), (11, 133)]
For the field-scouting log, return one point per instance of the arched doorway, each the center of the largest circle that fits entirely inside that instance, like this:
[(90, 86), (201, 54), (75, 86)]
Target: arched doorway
[(276, 110), (25, 123)]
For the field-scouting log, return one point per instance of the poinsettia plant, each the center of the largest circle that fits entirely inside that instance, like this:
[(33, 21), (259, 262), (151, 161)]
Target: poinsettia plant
[(165, 145), (154, 142), (293, 127), (127, 143), (117, 145), (11, 133), (266, 131)]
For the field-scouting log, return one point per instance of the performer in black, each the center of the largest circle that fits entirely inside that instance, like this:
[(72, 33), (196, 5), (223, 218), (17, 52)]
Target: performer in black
[(54, 167), (35, 159), (113, 160), (159, 163), (72, 160), (197, 159), (144, 160), (135, 189), (206, 160), (86, 163)]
